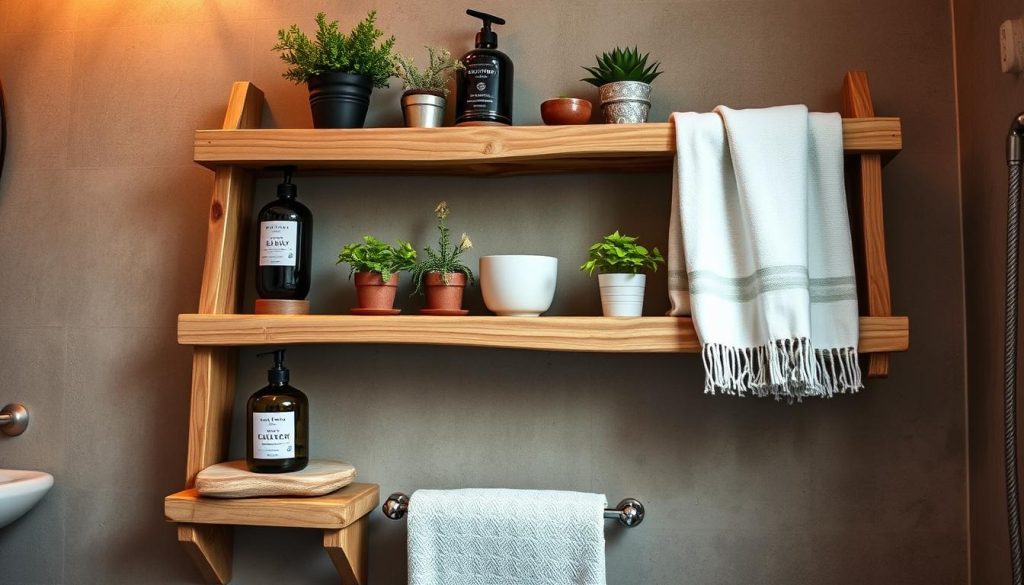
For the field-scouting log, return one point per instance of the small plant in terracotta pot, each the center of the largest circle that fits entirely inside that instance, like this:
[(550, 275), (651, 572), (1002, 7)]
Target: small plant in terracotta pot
[(441, 275), (376, 266), (621, 260)]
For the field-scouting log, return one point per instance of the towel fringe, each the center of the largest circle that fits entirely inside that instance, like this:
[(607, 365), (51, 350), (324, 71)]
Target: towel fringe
[(786, 368)]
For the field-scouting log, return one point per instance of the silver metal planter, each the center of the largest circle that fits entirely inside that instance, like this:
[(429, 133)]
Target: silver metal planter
[(625, 102), (423, 110)]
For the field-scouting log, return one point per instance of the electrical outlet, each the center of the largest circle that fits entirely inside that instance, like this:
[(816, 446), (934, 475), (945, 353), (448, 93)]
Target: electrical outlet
[(1011, 45)]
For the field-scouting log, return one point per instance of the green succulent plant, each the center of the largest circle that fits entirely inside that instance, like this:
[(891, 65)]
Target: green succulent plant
[(619, 253), (332, 51), (373, 255), (622, 65), (434, 77)]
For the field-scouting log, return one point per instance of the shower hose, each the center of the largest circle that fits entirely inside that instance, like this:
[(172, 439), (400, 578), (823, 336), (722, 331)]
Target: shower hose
[(1013, 162)]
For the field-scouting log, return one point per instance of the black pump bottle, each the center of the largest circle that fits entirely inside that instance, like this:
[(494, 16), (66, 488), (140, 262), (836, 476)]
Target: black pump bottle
[(277, 424), (485, 85), (285, 245)]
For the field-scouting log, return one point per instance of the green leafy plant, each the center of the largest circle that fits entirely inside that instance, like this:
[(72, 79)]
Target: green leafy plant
[(434, 77), (619, 253), (332, 51), (373, 255), (445, 259), (622, 65)]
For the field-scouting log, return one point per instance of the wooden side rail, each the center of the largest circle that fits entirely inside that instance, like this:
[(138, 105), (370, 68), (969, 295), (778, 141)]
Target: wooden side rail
[(867, 218)]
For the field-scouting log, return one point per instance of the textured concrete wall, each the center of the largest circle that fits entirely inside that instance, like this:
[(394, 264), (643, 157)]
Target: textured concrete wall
[(102, 224), (988, 101)]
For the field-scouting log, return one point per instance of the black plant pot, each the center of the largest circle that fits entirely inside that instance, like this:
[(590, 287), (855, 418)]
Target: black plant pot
[(339, 100)]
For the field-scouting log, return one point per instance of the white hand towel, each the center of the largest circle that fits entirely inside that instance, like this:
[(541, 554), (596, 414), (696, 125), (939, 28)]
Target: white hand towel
[(763, 258), (506, 537)]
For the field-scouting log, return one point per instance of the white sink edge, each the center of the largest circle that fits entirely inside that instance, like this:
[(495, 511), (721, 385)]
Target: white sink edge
[(20, 491)]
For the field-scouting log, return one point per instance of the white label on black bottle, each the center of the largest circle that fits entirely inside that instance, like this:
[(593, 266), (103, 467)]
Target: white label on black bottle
[(482, 88), (273, 435), (278, 243)]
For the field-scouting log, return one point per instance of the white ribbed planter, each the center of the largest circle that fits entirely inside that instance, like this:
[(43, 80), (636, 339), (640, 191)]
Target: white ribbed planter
[(622, 295)]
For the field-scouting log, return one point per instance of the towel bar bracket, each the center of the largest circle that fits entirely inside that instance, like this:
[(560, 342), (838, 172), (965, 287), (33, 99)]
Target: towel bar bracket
[(13, 419), (629, 512)]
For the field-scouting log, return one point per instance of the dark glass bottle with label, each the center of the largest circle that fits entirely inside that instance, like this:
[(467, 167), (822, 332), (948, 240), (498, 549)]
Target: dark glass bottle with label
[(285, 247), (484, 86), (277, 424)]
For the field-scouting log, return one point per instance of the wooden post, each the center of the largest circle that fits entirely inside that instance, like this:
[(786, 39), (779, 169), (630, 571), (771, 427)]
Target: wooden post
[(348, 551), (213, 368), (875, 270)]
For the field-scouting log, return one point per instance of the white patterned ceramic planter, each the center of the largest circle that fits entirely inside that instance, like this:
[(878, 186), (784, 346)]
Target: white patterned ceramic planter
[(625, 102), (622, 295)]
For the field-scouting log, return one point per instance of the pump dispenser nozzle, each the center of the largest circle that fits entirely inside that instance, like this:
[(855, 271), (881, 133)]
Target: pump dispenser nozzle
[(286, 188), (486, 38), (278, 375)]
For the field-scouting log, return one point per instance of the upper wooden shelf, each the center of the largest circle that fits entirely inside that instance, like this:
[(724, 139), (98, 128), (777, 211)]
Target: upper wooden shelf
[(333, 511), (597, 334), (484, 150)]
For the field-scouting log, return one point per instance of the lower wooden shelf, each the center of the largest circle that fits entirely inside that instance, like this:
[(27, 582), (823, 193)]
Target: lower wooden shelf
[(332, 511), (597, 334)]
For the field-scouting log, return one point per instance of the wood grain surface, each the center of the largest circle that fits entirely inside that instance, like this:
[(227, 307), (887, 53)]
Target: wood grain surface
[(486, 150), (598, 334)]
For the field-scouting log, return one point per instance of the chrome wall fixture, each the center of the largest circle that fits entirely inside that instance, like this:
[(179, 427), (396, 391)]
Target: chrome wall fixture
[(629, 512), (13, 419)]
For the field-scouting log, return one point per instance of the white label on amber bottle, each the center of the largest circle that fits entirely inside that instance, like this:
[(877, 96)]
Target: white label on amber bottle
[(278, 243), (273, 435)]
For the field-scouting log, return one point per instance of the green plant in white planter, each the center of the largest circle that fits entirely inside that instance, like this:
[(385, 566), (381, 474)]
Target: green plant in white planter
[(624, 78), (426, 90), (341, 70), (621, 262)]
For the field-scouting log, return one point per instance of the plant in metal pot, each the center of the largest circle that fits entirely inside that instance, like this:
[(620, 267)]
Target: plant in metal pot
[(624, 78), (426, 90), (340, 70), (376, 266), (441, 275), (621, 261)]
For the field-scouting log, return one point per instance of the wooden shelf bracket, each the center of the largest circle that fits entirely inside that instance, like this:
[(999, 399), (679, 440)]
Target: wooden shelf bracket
[(213, 368)]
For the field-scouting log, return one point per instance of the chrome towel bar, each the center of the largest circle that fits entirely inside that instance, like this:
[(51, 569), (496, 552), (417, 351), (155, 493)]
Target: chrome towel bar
[(629, 512)]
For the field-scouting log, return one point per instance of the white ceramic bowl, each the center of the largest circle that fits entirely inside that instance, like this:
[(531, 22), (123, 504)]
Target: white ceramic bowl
[(518, 285)]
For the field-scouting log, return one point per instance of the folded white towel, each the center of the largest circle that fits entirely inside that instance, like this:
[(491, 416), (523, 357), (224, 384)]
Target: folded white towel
[(506, 537), (759, 215)]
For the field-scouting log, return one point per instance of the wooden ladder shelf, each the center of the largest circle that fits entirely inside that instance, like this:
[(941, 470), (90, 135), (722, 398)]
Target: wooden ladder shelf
[(240, 150)]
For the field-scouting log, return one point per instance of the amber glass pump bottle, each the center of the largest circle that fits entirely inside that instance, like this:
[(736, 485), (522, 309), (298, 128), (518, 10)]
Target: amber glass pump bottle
[(277, 421)]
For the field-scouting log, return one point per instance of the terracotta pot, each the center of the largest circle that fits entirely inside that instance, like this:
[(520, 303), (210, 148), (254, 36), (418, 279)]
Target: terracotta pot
[(373, 293), (565, 111), (443, 296)]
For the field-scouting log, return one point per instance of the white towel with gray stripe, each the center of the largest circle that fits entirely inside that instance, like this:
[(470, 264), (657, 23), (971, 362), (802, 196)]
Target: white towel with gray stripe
[(760, 251), (506, 537)]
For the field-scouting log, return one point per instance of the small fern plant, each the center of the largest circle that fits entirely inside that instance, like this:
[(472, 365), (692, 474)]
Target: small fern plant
[(373, 255), (434, 78), (330, 50), (446, 258), (621, 254)]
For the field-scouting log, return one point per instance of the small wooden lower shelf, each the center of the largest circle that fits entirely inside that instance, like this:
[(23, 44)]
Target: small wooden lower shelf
[(204, 526), (335, 510), (597, 334)]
